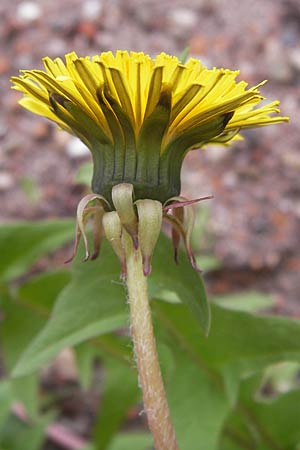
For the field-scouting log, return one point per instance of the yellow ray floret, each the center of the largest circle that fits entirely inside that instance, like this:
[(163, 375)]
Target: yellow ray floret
[(80, 92)]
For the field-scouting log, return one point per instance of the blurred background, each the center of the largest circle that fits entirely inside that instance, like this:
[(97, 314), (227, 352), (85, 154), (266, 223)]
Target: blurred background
[(253, 221), (247, 237)]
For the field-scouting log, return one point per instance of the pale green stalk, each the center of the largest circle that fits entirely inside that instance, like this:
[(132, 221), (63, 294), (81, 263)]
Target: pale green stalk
[(150, 378)]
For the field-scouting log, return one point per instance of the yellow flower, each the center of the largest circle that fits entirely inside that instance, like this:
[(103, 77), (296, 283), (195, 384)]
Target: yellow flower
[(139, 116)]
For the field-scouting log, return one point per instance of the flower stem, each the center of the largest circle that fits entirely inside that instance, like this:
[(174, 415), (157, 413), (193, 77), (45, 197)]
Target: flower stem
[(150, 378)]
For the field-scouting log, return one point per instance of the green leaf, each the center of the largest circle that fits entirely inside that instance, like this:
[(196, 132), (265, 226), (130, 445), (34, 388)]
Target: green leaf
[(279, 419), (239, 343), (31, 189), (85, 356), (120, 393), (132, 441), (21, 324), (6, 398), (272, 425), (198, 406), (237, 339), (180, 279), (94, 302), (183, 56), (250, 301), (26, 312), (207, 263), (126, 441), (84, 174), (26, 391), (228, 444), (17, 435), (120, 389), (91, 305), (115, 345), (231, 382), (40, 292), (23, 242), (107, 345)]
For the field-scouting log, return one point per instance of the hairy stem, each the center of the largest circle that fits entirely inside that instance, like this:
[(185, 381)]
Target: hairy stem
[(150, 378)]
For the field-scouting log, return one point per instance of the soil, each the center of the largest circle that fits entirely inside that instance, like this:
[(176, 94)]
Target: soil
[(254, 221)]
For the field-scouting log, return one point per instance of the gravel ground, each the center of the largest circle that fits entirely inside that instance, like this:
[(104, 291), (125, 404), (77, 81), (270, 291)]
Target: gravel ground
[(255, 215)]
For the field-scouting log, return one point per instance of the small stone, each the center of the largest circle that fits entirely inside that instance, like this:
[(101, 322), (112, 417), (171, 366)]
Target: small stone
[(10, 145), (296, 209), (149, 17), (4, 64), (40, 131), (277, 64), (61, 138), (272, 259), (56, 46), (216, 153), (87, 29), (183, 18), (91, 9), (256, 262), (294, 58), (112, 17), (24, 60), (3, 129), (247, 70), (104, 39), (6, 181), (29, 11), (63, 367), (198, 45), (76, 149), (291, 159), (230, 179)]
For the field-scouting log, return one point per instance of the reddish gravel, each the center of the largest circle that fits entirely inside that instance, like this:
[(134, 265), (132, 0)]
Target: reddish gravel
[(255, 215)]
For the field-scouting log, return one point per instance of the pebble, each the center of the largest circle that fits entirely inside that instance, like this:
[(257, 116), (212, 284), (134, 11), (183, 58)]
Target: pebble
[(63, 366), (291, 159), (4, 64), (113, 18), (262, 45), (91, 9), (230, 179), (215, 153), (3, 129), (6, 181), (56, 46), (272, 259), (149, 17), (40, 131), (28, 11), (184, 18), (294, 58), (60, 137), (296, 209), (104, 40), (76, 149), (25, 61), (87, 29), (256, 262), (277, 63), (198, 45)]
